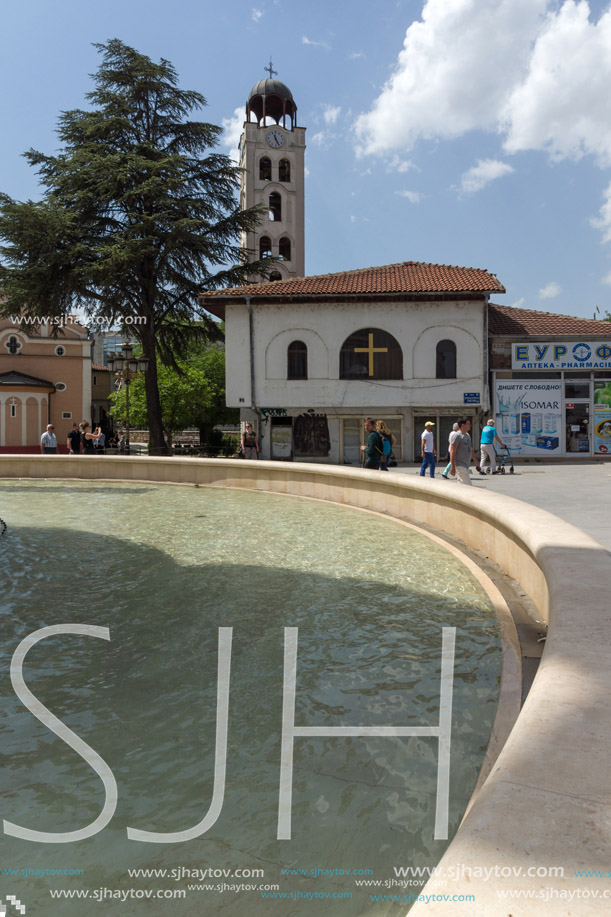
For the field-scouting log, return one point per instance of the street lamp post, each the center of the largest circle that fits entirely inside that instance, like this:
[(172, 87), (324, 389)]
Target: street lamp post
[(126, 367)]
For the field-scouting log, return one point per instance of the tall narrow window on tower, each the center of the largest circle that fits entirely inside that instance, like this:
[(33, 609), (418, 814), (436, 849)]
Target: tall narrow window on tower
[(265, 247), (284, 249), (284, 170), (275, 207), (265, 168)]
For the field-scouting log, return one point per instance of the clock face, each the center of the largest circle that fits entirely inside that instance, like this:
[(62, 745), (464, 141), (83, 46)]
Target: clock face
[(275, 138)]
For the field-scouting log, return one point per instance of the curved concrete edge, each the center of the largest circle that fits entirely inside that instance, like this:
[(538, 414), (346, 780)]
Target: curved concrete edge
[(545, 803)]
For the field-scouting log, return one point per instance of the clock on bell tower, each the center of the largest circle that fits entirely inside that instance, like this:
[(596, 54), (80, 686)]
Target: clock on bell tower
[(272, 158)]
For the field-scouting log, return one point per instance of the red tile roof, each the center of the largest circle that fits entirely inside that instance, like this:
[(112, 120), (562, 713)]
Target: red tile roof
[(406, 277), (99, 367), (507, 321)]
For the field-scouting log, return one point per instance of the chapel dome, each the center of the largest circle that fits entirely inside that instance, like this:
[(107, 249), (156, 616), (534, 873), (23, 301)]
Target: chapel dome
[(271, 88)]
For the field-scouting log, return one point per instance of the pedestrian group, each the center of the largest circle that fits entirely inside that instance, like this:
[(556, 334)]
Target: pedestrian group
[(380, 441)]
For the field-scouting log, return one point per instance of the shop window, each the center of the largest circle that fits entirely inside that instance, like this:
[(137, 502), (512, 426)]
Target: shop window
[(574, 390), (265, 168), (446, 360), (265, 247), (284, 170), (371, 354), (275, 207), (297, 357), (284, 248)]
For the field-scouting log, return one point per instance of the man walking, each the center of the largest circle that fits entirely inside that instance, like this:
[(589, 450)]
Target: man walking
[(375, 447), (486, 441), (429, 453), (461, 452), (451, 438)]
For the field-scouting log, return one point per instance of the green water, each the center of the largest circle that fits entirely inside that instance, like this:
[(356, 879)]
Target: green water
[(163, 568)]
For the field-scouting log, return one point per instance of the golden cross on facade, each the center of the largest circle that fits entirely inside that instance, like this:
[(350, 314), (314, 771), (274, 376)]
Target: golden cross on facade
[(371, 350)]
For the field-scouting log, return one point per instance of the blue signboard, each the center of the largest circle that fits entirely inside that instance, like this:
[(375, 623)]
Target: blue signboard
[(471, 398)]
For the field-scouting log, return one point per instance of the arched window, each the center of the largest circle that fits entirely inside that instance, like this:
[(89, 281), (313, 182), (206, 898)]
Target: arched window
[(275, 207), (446, 360), (284, 248), (297, 358), (265, 168), (284, 170), (265, 247), (275, 275), (371, 354)]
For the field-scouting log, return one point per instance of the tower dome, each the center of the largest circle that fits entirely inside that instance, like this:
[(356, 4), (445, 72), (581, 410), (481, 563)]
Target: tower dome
[(272, 99)]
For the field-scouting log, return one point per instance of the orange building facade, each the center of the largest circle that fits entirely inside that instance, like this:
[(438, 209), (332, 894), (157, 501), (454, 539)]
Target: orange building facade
[(43, 379)]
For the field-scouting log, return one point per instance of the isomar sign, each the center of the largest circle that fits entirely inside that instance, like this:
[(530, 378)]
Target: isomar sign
[(289, 733)]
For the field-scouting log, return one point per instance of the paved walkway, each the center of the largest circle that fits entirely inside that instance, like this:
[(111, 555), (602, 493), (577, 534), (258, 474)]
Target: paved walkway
[(581, 494)]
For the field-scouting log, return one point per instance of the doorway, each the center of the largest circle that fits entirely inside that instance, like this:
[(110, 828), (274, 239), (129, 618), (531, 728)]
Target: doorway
[(577, 427)]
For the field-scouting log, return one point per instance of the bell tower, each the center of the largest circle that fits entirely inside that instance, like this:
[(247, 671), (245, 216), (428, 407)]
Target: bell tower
[(272, 158)]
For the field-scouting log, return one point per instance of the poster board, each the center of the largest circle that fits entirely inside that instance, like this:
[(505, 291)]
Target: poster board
[(528, 415)]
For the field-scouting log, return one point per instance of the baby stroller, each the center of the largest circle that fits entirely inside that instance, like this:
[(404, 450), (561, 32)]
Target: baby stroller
[(503, 458)]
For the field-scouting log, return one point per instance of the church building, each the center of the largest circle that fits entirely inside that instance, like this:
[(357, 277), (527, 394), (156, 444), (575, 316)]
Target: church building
[(43, 379), (309, 357)]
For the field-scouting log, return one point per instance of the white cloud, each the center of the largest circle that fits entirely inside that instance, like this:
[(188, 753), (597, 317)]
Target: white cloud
[(320, 138), (455, 73), (413, 197), (607, 279), (331, 114), (356, 55), (535, 72), (481, 174), (397, 164), (518, 303), (232, 131), (603, 222), (550, 290), (256, 14), (315, 44), (563, 105)]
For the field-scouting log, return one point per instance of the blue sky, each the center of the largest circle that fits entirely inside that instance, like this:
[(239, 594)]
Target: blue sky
[(470, 132)]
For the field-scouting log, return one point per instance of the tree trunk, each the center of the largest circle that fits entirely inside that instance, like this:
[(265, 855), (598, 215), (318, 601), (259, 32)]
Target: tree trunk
[(157, 443)]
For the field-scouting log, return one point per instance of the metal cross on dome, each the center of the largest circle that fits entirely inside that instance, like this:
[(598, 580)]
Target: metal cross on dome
[(271, 70)]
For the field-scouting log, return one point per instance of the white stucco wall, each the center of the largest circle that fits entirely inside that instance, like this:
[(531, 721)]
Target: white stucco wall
[(418, 327)]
